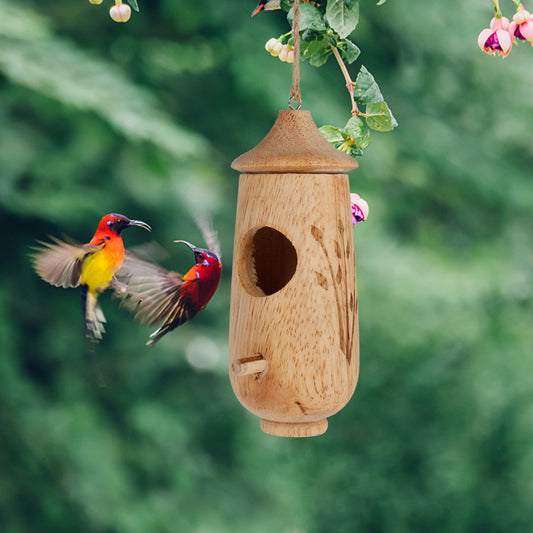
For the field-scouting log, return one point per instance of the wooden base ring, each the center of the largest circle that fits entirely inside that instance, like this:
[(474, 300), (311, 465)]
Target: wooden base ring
[(292, 429)]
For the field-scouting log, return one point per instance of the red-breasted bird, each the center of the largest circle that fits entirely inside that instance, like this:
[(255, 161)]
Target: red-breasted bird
[(156, 295), (92, 266)]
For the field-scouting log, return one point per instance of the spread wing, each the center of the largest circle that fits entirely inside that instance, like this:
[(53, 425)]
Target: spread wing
[(152, 293), (59, 262)]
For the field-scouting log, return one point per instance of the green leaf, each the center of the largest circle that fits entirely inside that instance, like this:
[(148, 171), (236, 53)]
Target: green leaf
[(317, 52), (379, 117), (351, 139), (332, 39), (331, 134), (134, 5), (357, 130), (312, 35), (350, 51), (310, 18), (341, 18), (286, 5), (381, 2), (366, 89)]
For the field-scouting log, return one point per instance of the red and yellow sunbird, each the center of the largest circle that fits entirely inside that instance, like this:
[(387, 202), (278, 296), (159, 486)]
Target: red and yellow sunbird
[(156, 295), (92, 266)]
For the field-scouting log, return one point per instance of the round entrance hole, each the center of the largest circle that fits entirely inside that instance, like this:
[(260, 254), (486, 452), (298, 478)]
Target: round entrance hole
[(268, 261)]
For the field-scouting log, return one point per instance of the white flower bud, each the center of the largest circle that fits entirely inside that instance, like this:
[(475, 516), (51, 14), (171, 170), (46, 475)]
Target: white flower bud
[(120, 12), (276, 49), (270, 44), (290, 56), (283, 54)]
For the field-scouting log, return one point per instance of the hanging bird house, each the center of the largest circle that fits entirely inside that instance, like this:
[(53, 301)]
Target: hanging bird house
[(294, 337)]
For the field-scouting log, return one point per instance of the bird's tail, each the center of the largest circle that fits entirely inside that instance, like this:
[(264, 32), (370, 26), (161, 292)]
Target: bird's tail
[(93, 316), (156, 335)]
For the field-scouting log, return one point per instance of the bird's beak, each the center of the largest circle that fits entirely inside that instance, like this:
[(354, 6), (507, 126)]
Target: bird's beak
[(191, 246), (258, 9), (139, 223)]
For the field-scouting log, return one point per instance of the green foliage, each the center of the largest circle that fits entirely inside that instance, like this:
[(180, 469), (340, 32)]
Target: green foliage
[(352, 139), (379, 117), (366, 90), (342, 17), (355, 136), (350, 51), (316, 51), (310, 18), (437, 436), (324, 29), (63, 72)]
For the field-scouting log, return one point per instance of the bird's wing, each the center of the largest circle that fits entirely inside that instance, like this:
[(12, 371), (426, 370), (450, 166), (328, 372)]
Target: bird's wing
[(151, 292), (59, 262), (209, 234)]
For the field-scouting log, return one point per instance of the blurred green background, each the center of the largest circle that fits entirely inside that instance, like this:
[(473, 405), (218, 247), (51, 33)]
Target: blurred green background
[(144, 119)]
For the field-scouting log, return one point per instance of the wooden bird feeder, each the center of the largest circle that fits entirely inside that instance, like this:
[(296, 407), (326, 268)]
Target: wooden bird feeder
[(294, 336)]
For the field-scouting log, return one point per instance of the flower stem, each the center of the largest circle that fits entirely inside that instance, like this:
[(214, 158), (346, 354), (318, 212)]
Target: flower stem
[(497, 10), (349, 83), (282, 38)]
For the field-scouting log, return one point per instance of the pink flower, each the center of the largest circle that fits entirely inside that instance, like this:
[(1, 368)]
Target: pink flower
[(359, 208), (496, 39), (522, 25)]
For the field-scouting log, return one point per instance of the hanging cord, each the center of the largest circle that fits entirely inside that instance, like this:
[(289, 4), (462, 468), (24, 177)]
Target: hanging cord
[(295, 100)]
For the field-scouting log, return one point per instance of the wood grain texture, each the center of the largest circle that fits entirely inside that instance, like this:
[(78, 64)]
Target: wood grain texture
[(294, 144), (254, 364), (294, 295)]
